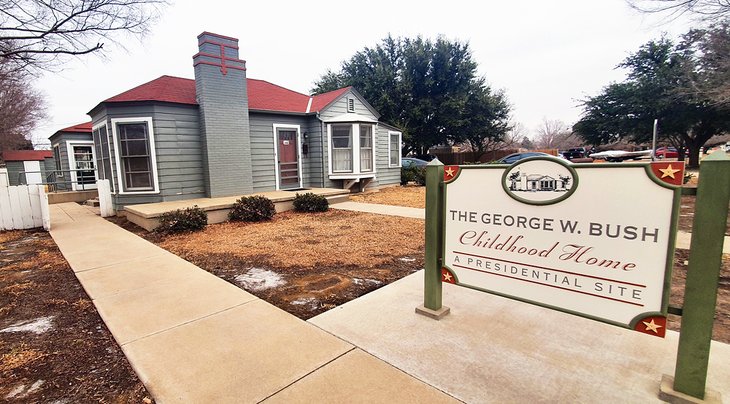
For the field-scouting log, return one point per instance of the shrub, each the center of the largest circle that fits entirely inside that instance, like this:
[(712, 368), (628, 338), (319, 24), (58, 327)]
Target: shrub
[(252, 209), (178, 221), (310, 202), (413, 174)]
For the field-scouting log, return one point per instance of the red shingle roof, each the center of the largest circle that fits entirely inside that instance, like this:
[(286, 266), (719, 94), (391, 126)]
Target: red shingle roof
[(81, 127), (27, 155), (262, 95)]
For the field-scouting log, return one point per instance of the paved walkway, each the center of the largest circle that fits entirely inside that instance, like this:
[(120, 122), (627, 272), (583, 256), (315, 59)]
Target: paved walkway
[(683, 238), (381, 209), (192, 337)]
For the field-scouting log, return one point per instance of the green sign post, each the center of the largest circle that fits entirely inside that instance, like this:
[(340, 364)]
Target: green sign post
[(705, 259)]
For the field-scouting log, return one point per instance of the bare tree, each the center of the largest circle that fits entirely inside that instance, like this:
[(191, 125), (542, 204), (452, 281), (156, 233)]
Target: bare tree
[(555, 134), (711, 11), (21, 109), (41, 33)]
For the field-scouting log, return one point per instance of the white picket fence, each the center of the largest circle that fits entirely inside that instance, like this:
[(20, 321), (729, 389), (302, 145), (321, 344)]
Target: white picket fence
[(23, 207)]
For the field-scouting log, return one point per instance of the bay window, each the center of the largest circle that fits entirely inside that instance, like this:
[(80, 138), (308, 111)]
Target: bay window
[(352, 147)]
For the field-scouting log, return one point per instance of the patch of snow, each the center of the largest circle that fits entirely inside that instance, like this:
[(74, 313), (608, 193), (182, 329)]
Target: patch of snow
[(358, 281), (14, 392), (304, 300), (258, 279), (21, 392), (406, 259), (38, 326)]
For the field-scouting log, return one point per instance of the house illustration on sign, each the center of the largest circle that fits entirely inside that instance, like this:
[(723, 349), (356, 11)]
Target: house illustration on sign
[(538, 182), (223, 134)]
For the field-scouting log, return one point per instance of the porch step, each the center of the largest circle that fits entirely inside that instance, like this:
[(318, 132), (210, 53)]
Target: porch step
[(93, 202), (338, 198)]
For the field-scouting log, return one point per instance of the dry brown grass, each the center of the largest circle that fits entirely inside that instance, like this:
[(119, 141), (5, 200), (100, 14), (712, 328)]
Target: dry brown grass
[(411, 196), (307, 240), (7, 236), (19, 356)]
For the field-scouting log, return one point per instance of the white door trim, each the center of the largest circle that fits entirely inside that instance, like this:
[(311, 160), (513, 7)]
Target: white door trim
[(278, 126), (72, 161)]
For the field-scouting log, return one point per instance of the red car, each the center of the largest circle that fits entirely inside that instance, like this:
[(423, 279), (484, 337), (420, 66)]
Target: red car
[(666, 153)]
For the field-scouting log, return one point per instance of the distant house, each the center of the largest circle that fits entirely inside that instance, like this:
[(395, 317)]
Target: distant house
[(28, 166), (74, 158), (224, 134), (537, 183)]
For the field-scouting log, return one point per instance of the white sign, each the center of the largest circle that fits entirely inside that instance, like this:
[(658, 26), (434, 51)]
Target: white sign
[(591, 240)]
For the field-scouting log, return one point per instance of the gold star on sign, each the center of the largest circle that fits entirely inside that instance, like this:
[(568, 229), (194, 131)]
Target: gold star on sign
[(652, 326), (447, 277), (449, 171), (669, 171)]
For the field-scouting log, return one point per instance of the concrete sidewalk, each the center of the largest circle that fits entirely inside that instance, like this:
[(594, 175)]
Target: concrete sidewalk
[(192, 337), (492, 349), (683, 238)]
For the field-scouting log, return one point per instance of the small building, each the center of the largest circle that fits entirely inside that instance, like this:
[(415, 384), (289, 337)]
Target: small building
[(75, 159), (223, 134), (537, 183), (25, 167)]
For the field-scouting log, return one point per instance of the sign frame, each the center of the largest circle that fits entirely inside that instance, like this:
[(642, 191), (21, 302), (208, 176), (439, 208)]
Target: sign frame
[(640, 322)]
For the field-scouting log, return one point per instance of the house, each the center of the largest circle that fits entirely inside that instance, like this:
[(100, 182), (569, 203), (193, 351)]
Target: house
[(73, 155), (25, 167), (224, 134), (537, 183)]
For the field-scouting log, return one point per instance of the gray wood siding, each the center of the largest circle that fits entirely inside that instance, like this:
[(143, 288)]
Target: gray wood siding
[(177, 146), (262, 149), (386, 174)]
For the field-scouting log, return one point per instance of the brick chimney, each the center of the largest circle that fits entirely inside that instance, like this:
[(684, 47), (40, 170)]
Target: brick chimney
[(221, 91)]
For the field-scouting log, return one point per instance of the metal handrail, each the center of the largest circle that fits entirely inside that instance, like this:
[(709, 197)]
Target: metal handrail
[(53, 179)]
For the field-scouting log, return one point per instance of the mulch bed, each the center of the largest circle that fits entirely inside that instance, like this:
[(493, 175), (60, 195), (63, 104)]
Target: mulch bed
[(67, 355), (304, 264)]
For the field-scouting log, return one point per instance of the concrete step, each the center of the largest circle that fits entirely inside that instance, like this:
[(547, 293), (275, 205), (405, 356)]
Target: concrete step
[(93, 202), (338, 198)]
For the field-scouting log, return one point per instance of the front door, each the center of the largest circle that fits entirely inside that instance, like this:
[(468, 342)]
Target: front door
[(288, 161), (82, 166)]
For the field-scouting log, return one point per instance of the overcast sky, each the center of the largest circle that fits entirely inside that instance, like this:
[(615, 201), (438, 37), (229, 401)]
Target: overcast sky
[(546, 55)]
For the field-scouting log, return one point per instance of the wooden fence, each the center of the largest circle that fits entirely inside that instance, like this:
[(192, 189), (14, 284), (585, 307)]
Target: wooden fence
[(458, 158), (24, 207)]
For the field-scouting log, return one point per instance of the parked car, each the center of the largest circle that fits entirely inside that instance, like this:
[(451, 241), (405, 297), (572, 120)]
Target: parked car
[(575, 153), (412, 162), (666, 153), (509, 159)]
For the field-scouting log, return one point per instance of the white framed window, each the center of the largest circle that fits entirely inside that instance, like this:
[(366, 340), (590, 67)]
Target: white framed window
[(352, 148), (394, 149), (350, 105), (342, 147), (135, 158), (101, 137), (367, 161)]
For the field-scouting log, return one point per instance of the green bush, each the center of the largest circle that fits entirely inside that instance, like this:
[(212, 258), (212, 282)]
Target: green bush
[(413, 174), (252, 209), (178, 221), (310, 202)]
